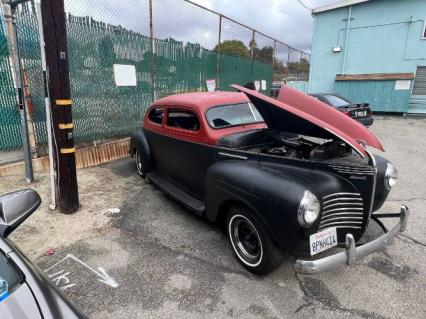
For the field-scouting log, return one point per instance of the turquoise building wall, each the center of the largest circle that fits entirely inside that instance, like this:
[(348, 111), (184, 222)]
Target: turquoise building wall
[(385, 36)]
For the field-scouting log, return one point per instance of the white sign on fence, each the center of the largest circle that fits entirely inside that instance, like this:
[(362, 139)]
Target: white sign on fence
[(257, 85), (211, 85), (402, 84), (263, 85), (125, 75)]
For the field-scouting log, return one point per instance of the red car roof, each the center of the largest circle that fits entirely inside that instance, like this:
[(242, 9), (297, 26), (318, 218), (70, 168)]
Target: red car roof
[(203, 100)]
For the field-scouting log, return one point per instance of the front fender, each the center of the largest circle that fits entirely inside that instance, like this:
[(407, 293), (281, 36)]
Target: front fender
[(272, 191), (139, 142)]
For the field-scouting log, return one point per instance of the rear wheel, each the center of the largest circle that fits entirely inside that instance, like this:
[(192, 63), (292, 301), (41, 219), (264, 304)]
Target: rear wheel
[(139, 164), (251, 242)]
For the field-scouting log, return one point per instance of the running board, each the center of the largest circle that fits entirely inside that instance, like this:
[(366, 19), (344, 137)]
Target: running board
[(187, 200)]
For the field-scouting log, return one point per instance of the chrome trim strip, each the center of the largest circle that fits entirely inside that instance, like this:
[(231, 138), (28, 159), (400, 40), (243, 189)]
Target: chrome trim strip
[(344, 209), (351, 252), (353, 222), (354, 227), (325, 207), (373, 193), (342, 199), (344, 218), (352, 169), (348, 215), (233, 155), (355, 173), (338, 194)]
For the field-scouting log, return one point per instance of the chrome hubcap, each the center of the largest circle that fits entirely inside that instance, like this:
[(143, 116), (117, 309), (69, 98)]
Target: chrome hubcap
[(245, 240)]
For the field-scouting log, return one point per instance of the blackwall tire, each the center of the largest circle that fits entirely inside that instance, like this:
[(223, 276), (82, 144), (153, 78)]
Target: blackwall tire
[(251, 243)]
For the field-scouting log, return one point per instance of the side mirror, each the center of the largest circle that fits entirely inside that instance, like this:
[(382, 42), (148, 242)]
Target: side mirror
[(15, 208)]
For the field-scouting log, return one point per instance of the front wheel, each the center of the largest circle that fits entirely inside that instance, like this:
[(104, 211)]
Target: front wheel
[(251, 242)]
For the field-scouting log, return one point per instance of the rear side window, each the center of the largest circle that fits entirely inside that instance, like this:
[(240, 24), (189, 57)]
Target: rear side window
[(183, 119), (156, 115)]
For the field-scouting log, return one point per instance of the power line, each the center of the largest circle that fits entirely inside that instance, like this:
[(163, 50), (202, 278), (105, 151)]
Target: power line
[(304, 5)]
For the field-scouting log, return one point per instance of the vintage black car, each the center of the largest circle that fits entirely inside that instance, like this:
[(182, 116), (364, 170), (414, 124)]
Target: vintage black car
[(280, 175), (24, 291)]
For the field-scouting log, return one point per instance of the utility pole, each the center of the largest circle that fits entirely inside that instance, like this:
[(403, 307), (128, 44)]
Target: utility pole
[(55, 46)]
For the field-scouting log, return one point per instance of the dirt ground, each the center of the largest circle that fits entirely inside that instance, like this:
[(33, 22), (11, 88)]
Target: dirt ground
[(131, 252)]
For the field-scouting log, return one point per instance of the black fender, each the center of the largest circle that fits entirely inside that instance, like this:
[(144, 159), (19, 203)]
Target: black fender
[(272, 192), (139, 142)]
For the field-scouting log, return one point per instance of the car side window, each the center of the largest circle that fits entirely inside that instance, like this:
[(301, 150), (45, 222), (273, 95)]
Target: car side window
[(183, 119), (156, 115)]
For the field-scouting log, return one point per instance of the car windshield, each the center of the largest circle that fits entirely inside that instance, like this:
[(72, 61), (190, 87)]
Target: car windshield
[(233, 114), (336, 101)]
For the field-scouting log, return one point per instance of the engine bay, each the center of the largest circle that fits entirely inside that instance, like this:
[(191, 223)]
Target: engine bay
[(284, 144), (302, 148)]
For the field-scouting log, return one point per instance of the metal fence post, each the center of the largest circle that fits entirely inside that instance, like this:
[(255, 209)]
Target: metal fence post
[(218, 54), (288, 61), (273, 58), (14, 51), (252, 45), (273, 53), (298, 70), (153, 57)]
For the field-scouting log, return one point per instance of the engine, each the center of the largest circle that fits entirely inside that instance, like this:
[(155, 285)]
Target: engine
[(302, 148)]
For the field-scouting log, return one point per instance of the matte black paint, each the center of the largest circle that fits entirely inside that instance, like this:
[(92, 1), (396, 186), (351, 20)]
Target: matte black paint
[(271, 186)]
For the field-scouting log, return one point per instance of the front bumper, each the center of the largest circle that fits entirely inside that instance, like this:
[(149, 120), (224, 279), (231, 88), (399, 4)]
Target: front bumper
[(352, 252)]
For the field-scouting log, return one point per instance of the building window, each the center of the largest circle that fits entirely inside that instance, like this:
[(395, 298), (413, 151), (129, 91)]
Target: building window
[(424, 31)]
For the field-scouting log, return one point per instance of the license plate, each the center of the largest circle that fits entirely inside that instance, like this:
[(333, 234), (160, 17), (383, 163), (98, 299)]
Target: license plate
[(323, 240), (361, 113)]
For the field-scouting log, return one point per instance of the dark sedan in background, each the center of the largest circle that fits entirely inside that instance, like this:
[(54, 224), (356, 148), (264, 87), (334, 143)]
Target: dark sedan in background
[(359, 112)]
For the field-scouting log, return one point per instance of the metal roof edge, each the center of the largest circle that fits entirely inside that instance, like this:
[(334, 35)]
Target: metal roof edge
[(337, 5)]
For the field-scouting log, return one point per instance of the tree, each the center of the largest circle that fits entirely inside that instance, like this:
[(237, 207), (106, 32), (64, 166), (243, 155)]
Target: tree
[(233, 47), (263, 55)]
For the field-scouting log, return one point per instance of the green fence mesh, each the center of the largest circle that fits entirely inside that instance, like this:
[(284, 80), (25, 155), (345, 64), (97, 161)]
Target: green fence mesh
[(10, 132), (102, 110)]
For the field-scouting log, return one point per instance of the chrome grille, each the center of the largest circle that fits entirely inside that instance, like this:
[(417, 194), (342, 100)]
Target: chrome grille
[(342, 210), (353, 170)]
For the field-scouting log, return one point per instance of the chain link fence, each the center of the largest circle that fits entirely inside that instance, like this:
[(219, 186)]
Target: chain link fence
[(175, 46), (10, 130)]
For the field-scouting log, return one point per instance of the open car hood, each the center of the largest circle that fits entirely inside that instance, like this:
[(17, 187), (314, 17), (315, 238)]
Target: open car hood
[(299, 113)]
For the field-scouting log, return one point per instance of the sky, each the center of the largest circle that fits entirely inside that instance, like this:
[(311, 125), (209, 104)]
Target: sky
[(285, 20)]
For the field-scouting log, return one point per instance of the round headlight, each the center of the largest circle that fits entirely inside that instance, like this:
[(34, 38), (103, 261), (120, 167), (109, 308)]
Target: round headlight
[(391, 176), (309, 209)]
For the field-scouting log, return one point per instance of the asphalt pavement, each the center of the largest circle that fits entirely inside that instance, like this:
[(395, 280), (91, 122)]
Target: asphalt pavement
[(132, 252)]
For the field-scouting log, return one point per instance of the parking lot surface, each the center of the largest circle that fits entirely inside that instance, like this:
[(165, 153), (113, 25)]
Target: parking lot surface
[(132, 252)]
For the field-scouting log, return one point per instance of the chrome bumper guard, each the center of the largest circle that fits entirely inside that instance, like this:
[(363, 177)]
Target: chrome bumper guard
[(352, 252)]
